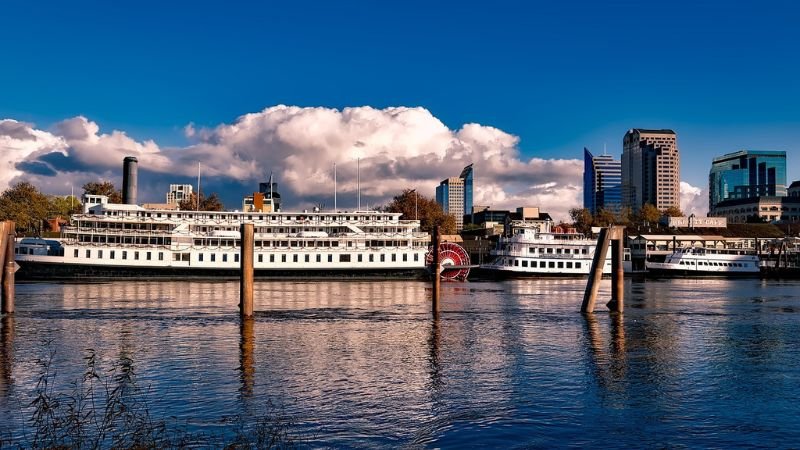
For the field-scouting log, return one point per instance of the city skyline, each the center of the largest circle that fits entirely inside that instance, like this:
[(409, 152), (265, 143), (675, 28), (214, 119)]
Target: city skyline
[(519, 89)]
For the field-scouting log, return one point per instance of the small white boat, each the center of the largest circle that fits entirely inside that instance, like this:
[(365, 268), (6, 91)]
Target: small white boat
[(698, 261)]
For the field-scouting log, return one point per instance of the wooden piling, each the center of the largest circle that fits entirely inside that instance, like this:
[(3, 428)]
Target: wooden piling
[(8, 267), (596, 274), (246, 270), (617, 303), (435, 271)]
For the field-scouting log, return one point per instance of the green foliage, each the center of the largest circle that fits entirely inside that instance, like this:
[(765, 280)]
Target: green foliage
[(25, 205), (415, 206), (63, 206), (103, 188), (673, 211), (649, 213), (582, 219), (210, 203)]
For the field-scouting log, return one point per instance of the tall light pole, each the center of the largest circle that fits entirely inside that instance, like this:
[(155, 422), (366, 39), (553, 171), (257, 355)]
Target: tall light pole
[(416, 198)]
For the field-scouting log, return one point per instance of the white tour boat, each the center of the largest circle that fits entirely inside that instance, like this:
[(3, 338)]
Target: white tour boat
[(534, 249), (123, 240), (697, 261)]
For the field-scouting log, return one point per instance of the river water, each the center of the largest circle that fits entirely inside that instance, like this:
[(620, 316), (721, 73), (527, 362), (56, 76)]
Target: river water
[(696, 363)]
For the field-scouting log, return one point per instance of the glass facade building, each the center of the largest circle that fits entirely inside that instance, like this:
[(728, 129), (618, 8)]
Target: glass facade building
[(602, 183), (455, 196), (747, 174)]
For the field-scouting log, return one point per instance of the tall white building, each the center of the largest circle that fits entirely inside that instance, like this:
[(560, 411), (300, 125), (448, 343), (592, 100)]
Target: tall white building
[(178, 192), (650, 169)]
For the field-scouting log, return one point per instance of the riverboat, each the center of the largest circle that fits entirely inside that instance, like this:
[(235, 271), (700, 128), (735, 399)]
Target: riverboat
[(699, 261), (122, 240), (539, 249)]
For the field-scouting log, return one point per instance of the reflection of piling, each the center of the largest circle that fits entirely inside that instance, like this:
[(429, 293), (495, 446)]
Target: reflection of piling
[(6, 353), (435, 271), (246, 272), (608, 236), (246, 345), (7, 241)]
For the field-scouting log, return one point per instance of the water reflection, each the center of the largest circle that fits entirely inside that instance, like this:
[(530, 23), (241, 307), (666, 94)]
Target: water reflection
[(6, 353), (363, 364), (246, 360)]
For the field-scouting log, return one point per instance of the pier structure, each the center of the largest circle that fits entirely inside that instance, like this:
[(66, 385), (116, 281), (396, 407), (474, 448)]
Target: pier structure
[(609, 237)]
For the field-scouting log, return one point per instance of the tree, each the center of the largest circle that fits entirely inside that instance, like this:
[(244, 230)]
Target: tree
[(62, 206), (415, 206), (604, 218), (25, 205), (582, 219), (210, 203), (103, 188), (673, 211), (649, 213)]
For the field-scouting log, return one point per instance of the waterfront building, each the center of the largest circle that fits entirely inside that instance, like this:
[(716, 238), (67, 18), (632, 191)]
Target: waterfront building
[(602, 183), (178, 192), (650, 169), (794, 189), (746, 174), (455, 195), (764, 208)]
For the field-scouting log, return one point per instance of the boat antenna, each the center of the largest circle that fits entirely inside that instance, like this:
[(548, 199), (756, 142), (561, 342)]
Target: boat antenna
[(358, 182), (197, 197), (334, 187)]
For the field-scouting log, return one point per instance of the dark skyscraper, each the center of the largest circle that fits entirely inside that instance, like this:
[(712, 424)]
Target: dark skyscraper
[(602, 183)]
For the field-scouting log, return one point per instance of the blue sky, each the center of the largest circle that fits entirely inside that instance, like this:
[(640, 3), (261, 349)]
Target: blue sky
[(559, 75)]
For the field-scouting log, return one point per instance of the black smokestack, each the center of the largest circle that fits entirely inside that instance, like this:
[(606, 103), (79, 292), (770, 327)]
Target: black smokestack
[(130, 180)]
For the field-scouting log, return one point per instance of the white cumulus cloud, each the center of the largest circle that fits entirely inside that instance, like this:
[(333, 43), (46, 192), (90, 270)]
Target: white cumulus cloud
[(694, 200), (396, 148)]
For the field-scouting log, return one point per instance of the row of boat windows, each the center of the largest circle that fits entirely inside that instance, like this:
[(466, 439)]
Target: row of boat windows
[(346, 257), (212, 257), (558, 251), (240, 217), (543, 264), (715, 264), (112, 254), (138, 240), (312, 242)]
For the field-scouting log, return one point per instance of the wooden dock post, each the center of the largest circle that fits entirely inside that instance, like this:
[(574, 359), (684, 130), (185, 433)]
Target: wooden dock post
[(617, 303), (246, 271), (435, 271), (8, 267), (596, 273)]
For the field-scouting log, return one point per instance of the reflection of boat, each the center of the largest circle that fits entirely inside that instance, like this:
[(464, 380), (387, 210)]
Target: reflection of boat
[(537, 249), (696, 261), (110, 240)]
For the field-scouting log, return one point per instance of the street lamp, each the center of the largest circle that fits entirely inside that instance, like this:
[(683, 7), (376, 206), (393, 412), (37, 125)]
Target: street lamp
[(416, 198)]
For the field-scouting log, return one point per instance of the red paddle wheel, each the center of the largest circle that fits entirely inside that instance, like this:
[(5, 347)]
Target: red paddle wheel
[(454, 261)]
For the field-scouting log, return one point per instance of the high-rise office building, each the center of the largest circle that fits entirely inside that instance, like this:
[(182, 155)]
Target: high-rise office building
[(650, 169), (178, 193), (602, 183), (455, 196), (746, 174)]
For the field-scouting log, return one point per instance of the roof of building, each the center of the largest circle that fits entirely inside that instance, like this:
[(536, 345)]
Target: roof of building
[(795, 184), (652, 131)]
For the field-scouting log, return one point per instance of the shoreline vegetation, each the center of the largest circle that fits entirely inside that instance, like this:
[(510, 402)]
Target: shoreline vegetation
[(106, 408)]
